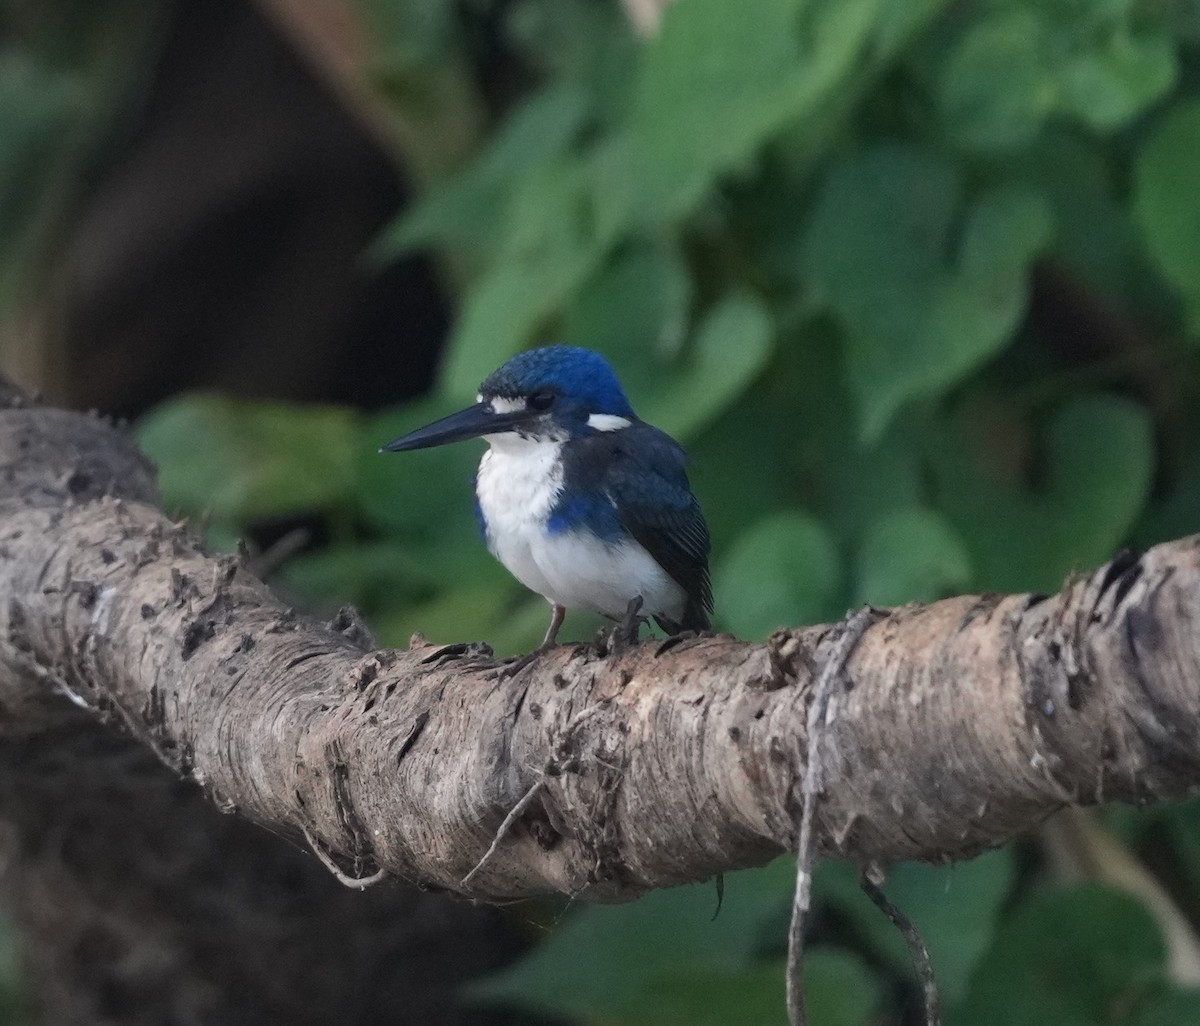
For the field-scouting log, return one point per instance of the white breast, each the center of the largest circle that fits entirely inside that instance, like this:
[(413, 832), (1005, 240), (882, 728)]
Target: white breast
[(518, 483)]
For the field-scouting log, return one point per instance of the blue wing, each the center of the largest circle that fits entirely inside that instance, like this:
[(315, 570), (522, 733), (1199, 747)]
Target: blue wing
[(643, 471)]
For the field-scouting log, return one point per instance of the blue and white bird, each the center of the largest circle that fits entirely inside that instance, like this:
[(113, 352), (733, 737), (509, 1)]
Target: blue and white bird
[(584, 503)]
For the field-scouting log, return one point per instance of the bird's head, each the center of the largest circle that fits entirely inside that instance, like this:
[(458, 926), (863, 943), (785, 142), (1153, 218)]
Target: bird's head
[(549, 394)]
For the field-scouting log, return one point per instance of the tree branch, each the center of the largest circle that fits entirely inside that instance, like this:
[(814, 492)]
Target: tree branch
[(954, 726)]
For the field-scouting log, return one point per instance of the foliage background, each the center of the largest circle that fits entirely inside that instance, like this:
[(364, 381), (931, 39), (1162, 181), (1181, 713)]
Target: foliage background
[(917, 284)]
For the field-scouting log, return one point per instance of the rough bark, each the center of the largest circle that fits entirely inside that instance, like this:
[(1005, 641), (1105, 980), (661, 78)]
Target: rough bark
[(955, 726), (137, 901)]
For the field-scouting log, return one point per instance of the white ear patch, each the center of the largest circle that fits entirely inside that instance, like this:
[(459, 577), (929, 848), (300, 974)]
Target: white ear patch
[(500, 404), (607, 422)]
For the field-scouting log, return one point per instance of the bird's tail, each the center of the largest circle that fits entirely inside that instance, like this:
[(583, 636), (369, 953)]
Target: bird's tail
[(695, 618)]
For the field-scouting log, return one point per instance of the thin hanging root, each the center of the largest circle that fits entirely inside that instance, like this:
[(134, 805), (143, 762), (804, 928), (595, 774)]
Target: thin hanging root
[(806, 848), (916, 947), (355, 883), (507, 825)]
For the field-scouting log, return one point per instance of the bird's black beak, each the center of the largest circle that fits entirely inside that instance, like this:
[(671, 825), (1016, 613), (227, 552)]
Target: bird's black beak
[(469, 423)]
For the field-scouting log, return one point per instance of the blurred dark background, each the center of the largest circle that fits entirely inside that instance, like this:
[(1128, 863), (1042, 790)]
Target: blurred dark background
[(216, 233)]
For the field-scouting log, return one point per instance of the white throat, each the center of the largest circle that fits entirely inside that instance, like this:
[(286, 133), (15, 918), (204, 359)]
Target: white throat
[(518, 482)]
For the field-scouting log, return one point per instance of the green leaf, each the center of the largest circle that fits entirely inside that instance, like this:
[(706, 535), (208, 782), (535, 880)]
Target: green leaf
[(1072, 957), (1180, 1008), (911, 555), (730, 348), (467, 210), (712, 997), (424, 502), (921, 303), (474, 608), (1011, 70), (665, 960), (635, 310), (238, 461), (1096, 238), (367, 574), (839, 990), (1172, 510), (1117, 77), (551, 243), (866, 483), (409, 38), (956, 908), (415, 494), (784, 571), (635, 963), (693, 115), (733, 490), (1173, 828), (583, 42), (993, 88), (37, 105), (715, 85), (1165, 201), (1091, 483)]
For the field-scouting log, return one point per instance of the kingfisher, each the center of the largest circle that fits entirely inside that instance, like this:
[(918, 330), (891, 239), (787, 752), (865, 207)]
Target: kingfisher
[(583, 502)]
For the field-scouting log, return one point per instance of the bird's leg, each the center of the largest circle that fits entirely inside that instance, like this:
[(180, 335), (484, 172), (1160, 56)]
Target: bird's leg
[(515, 665), (625, 633), (557, 613)]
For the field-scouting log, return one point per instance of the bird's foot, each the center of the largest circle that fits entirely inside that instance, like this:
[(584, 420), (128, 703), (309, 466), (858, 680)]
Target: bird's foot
[(514, 665), (508, 668), (625, 634)]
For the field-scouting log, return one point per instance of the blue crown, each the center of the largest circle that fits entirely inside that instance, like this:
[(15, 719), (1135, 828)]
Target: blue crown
[(576, 373)]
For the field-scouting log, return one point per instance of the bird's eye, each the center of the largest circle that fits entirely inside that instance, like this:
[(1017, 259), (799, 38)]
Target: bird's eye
[(541, 401)]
